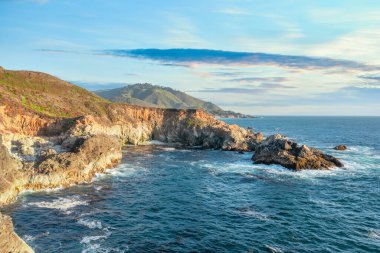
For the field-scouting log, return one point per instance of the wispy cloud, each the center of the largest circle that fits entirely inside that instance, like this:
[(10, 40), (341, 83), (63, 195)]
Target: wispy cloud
[(219, 57), (371, 78), (258, 79), (360, 44), (248, 89), (233, 11)]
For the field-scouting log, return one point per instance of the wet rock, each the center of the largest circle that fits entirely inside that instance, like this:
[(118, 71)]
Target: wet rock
[(340, 147), (278, 149)]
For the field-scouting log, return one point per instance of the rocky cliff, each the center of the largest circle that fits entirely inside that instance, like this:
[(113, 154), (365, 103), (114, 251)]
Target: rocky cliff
[(55, 134)]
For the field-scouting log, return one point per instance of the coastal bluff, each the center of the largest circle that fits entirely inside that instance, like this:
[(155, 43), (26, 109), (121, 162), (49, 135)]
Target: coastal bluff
[(54, 134)]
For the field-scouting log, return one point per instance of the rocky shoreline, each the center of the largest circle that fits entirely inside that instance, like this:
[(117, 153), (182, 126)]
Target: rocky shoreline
[(39, 151), (86, 146)]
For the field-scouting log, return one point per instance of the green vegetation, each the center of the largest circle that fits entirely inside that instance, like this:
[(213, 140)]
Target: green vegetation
[(47, 95), (164, 97), (194, 122)]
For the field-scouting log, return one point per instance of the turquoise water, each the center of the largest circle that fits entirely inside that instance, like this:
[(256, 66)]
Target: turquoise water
[(166, 200)]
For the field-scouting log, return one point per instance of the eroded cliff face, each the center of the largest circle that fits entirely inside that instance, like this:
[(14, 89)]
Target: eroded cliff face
[(40, 152), (136, 125), (189, 128), (34, 163), (9, 240)]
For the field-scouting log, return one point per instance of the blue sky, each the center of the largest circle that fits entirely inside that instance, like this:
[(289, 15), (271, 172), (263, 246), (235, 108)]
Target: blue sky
[(280, 57)]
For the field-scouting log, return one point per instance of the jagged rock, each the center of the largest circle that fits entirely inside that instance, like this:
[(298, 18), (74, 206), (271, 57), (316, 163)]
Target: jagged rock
[(71, 142), (277, 149), (11, 175), (25, 146), (92, 155), (9, 241), (340, 147)]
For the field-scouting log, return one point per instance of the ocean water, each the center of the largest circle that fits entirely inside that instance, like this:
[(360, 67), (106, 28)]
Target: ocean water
[(163, 199)]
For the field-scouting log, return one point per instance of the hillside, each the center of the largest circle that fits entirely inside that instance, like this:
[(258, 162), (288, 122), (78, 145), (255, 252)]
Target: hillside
[(163, 97), (47, 95)]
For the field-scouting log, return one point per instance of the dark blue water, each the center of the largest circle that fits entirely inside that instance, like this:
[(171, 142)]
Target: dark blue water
[(167, 200)]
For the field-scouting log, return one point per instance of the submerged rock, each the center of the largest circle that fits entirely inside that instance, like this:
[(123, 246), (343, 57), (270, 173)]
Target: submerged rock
[(278, 149), (340, 147)]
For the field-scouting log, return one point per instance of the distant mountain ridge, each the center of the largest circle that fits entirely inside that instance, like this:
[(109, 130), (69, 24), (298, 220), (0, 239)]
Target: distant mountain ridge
[(145, 94)]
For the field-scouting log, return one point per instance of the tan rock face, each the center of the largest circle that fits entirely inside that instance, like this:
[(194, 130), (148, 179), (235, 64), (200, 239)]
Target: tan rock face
[(89, 156), (9, 241), (11, 175), (187, 127), (278, 149)]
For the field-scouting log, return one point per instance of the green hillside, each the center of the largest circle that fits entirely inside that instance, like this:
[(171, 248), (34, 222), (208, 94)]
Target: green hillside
[(164, 97), (47, 95)]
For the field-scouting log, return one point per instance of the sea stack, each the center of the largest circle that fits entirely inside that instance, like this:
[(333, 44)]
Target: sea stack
[(278, 149)]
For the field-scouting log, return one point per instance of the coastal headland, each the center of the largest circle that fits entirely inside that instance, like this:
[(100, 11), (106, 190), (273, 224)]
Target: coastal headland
[(54, 134)]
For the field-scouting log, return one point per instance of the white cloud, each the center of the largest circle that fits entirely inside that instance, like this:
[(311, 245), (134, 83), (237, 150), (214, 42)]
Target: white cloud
[(360, 46), (181, 32), (339, 16), (233, 11)]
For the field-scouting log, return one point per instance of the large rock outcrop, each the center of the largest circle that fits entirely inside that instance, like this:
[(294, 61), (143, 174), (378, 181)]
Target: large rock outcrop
[(189, 128), (277, 149), (9, 240), (87, 156)]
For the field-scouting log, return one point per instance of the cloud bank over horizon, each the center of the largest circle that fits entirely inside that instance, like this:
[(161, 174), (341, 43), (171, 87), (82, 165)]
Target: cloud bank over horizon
[(189, 57)]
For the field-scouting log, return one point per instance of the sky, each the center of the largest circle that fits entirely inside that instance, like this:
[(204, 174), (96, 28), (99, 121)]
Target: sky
[(279, 57)]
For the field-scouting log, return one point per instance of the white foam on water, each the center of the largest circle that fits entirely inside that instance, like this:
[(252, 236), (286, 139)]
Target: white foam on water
[(62, 204), (30, 238), (273, 249), (253, 213), (98, 187), (93, 224), (248, 169), (122, 170), (321, 202), (91, 246), (28, 192), (154, 142), (167, 148), (374, 234)]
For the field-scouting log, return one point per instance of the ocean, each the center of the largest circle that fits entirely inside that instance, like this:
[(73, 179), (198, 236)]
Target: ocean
[(161, 199)]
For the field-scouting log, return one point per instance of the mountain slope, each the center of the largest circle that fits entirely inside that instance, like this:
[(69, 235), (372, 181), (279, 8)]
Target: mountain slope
[(47, 95), (164, 97)]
